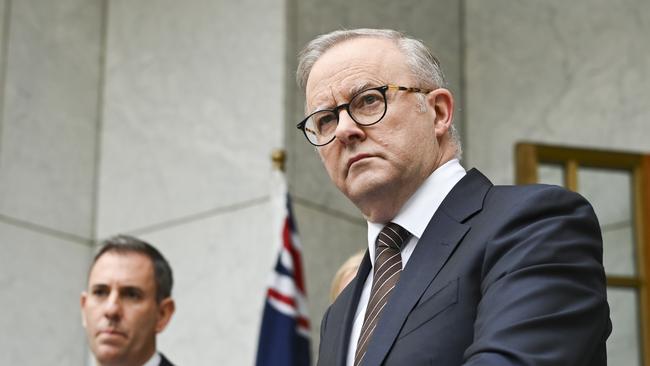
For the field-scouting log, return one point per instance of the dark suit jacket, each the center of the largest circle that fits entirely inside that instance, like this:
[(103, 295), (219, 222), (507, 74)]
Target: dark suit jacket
[(502, 275), (164, 361)]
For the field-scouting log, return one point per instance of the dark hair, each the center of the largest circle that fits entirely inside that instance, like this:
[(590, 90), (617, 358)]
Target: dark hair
[(127, 244)]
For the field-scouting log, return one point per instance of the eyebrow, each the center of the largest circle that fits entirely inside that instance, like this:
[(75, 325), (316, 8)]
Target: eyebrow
[(361, 87), (101, 286), (133, 289), (351, 92)]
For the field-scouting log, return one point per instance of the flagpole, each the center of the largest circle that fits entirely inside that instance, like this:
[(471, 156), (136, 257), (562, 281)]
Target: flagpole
[(284, 338)]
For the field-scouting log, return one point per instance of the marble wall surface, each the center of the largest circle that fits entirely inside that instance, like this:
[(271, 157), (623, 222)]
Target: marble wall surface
[(50, 111), (563, 73), (41, 278), (4, 13), (50, 71), (150, 118), (221, 268), (192, 109)]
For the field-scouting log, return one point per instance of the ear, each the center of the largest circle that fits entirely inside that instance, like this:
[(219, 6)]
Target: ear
[(441, 102), (82, 300), (166, 309)]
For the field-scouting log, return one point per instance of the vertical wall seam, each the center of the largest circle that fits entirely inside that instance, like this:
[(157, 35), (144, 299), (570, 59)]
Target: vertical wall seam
[(462, 31), (291, 40), (3, 69), (101, 88), (99, 120)]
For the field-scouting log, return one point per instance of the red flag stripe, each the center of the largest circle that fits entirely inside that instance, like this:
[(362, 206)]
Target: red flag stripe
[(302, 321), (295, 256), (282, 298)]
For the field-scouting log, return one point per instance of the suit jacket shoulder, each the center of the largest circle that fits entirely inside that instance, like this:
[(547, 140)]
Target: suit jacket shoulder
[(502, 275)]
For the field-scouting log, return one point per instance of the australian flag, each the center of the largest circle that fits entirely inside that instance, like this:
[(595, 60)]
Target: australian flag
[(284, 336)]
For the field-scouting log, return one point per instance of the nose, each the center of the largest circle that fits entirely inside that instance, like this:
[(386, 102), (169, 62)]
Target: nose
[(347, 131), (113, 307)]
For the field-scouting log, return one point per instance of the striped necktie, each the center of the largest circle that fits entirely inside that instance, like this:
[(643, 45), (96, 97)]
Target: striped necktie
[(388, 266)]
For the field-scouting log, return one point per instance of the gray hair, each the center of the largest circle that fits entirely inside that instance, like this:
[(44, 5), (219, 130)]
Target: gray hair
[(122, 244), (424, 66)]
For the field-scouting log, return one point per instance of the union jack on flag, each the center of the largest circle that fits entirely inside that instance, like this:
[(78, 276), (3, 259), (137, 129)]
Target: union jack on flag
[(284, 335)]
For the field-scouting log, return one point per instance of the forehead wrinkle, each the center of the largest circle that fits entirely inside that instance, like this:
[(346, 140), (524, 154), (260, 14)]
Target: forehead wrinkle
[(336, 90), (322, 100), (354, 78), (348, 66), (363, 86)]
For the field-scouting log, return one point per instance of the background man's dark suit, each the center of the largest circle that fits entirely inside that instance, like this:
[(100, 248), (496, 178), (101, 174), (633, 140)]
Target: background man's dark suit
[(501, 276), (164, 361)]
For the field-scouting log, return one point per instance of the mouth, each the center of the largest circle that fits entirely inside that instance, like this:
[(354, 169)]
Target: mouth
[(111, 333), (357, 158)]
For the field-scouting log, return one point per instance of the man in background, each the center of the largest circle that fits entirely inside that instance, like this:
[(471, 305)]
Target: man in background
[(127, 303), (458, 271)]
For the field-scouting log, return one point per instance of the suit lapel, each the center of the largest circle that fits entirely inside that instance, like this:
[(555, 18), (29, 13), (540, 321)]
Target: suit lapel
[(164, 361), (444, 232)]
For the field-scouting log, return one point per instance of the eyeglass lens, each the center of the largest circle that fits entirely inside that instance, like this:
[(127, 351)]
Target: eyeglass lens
[(365, 108)]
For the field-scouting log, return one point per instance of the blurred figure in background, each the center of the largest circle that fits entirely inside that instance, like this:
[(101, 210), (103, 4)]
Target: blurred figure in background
[(345, 274)]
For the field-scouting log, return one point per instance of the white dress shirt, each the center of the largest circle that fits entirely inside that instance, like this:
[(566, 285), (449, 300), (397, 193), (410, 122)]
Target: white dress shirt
[(154, 360), (414, 217)]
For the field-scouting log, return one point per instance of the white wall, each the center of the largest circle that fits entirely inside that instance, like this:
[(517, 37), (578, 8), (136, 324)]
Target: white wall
[(191, 113), (574, 73), (153, 118), (48, 116)]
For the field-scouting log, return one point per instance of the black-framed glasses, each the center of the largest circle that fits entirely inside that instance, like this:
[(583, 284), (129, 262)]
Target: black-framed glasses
[(365, 108)]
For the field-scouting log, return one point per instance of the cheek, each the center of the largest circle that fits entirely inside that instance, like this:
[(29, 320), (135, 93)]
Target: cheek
[(412, 149), (330, 162), (91, 316), (396, 147), (148, 318), (141, 326), (425, 135)]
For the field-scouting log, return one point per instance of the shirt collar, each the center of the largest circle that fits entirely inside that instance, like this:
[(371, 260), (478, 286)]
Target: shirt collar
[(154, 360), (416, 213)]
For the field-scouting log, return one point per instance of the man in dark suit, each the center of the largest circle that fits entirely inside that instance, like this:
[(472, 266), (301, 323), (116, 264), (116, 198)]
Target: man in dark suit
[(127, 303), (458, 271)]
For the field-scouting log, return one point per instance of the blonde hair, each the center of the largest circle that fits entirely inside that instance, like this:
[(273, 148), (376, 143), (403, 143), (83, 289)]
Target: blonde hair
[(345, 274)]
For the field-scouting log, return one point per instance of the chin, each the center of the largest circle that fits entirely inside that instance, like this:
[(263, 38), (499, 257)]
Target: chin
[(107, 355), (364, 189)]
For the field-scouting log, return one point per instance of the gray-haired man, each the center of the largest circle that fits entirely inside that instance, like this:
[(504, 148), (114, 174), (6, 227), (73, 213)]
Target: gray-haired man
[(458, 271)]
